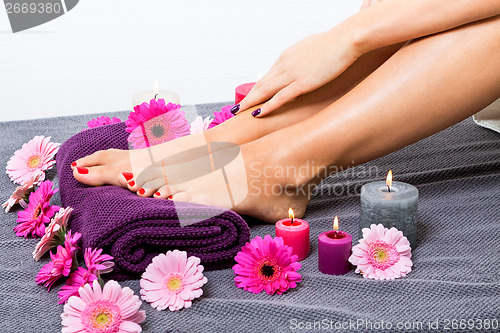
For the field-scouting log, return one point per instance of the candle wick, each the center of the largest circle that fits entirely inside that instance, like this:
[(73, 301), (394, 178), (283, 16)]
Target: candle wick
[(291, 222), (156, 95), (388, 188)]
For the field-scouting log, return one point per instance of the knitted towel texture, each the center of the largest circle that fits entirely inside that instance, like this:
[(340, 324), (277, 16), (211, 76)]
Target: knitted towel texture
[(134, 229)]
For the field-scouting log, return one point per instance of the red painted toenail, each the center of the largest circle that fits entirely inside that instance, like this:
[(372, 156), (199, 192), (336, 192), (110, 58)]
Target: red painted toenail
[(157, 194), (141, 191), (170, 197), (73, 164), (131, 183), (128, 175), (82, 171)]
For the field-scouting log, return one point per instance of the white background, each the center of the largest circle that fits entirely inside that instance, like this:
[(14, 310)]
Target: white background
[(95, 57)]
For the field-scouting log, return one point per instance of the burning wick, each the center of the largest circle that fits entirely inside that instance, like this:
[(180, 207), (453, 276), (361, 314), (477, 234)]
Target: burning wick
[(291, 215), (388, 181), (336, 225)]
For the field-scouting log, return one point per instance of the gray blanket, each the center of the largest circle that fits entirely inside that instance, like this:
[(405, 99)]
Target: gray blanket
[(456, 264)]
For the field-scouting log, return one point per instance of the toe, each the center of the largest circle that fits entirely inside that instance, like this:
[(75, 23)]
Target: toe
[(101, 157), (163, 193), (96, 176)]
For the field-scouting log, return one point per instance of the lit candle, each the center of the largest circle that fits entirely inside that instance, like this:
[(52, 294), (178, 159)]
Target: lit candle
[(394, 204), (295, 233), (242, 91), (147, 96), (334, 250)]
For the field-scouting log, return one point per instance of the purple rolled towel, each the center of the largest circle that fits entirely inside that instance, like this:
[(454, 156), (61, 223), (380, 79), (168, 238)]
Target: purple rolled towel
[(134, 229)]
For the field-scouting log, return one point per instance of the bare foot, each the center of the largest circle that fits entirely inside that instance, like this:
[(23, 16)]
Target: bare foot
[(249, 180)]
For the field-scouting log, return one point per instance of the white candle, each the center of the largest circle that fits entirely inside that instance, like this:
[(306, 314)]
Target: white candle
[(146, 96)]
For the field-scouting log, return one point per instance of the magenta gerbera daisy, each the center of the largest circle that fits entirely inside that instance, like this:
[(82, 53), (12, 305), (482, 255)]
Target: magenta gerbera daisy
[(266, 264), (76, 280), (172, 281), (35, 157), (54, 233), (155, 123), (96, 262), (111, 309), (61, 262), (382, 254), (31, 221), (101, 121), (221, 116)]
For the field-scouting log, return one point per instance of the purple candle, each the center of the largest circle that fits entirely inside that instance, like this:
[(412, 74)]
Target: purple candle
[(334, 250)]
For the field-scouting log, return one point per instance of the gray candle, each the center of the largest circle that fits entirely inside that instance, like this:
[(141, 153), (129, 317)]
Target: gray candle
[(393, 205)]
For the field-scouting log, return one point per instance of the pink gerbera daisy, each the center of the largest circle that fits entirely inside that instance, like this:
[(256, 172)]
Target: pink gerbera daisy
[(172, 281), (200, 124), (39, 211), (112, 309), (76, 280), (32, 159), (101, 121), (382, 254), (61, 262), (155, 123), (54, 233), (221, 116), (266, 264), (21, 193), (96, 262)]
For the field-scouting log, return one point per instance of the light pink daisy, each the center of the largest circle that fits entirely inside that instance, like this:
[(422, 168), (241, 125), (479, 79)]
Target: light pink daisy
[(200, 124), (172, 281), (96, 262), (382, 254), (54, 233), (61, 262), (32, 220), (221, 116), (101, 121), (112, 309), (76, 280), (32, 159), (266, 264), (155, 123), (21, 193)]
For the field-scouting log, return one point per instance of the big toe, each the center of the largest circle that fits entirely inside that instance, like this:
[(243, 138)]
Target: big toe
[(97, 176)]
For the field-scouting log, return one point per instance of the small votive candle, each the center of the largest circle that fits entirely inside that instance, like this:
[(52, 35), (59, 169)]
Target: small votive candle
[(295, 233), (146, 96), (242, 91), (334, 250)]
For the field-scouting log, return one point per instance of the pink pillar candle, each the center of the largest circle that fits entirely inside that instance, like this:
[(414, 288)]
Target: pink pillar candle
[(242, 91), (295, 234), (334, 250)]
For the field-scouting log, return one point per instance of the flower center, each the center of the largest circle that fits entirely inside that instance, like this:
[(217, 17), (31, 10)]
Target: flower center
[(268, 270), (382, 255), (158, 130), (37, 212), (33, 162), (101, 317), (174, 283)]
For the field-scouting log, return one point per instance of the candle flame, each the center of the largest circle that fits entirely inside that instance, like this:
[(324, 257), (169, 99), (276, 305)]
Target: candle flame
[(388, 180), (155, 89), (290, 213), (336, 223)]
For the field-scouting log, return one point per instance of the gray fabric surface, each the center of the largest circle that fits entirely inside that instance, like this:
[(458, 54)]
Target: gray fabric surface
[(456, 266)]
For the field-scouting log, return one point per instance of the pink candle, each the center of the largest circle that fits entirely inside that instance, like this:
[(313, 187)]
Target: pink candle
[(242, 91), (295, 233), (334, 250)]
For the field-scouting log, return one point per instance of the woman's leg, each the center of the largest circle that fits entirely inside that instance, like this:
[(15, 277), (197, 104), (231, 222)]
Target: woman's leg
[(105, 167), (425, 87)]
